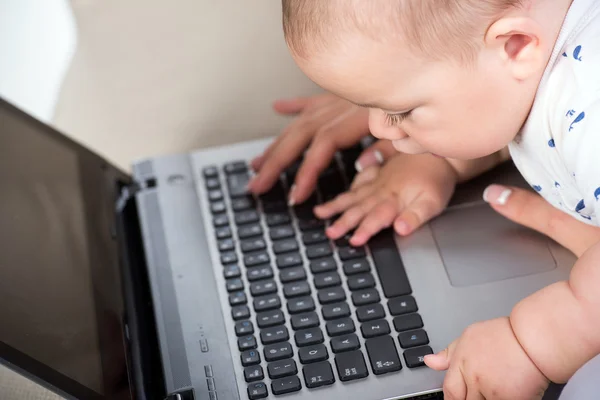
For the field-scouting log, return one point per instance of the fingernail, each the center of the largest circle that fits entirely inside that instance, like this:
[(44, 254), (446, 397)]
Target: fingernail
[(402, 228), (368, 160), (251, 183), (357, 166), (378, 156), (291, 198), (496, 194)]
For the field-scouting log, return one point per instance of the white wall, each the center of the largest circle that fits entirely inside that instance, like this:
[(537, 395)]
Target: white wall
[(37, 41)]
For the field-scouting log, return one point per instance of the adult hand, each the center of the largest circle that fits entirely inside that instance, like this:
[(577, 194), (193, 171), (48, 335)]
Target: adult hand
[(325, 124), (530, 209)]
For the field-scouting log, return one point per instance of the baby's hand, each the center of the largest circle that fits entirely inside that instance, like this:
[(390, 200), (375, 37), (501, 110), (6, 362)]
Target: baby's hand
[(487, 362), (407, 191)]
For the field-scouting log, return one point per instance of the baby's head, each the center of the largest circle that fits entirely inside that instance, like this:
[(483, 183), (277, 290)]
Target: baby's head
[(452, 77)]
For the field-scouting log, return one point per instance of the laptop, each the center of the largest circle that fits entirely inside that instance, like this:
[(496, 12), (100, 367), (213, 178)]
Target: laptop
[(173, 283)]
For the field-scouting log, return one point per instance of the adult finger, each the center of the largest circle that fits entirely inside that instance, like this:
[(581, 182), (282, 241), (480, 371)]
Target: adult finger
[(531, 210), (376, 154), (343, 131), (291, 106)]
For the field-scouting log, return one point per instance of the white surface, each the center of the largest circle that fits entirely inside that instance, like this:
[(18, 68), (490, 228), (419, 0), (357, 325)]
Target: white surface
[(37, 41)]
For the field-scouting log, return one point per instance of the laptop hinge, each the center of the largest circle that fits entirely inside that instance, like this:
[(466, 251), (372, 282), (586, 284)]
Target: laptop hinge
[(145, 365)]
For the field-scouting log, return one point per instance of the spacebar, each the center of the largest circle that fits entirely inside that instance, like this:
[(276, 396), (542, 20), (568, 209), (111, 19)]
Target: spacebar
[(389, 265)]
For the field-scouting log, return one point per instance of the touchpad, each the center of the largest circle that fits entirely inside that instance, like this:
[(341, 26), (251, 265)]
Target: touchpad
[(478, 245)]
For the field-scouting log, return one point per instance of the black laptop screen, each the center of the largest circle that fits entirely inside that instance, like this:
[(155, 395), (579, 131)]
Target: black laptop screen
[(54, 312)]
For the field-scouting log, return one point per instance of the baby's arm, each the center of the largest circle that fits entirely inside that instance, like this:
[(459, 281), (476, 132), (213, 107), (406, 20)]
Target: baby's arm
[(559, 326)]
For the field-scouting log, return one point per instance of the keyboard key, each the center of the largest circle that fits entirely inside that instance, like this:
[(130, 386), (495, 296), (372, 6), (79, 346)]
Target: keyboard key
[(289, 260), (218, 207), (281, 232), (303, 321), (331, 295), (232, 271), (383, 355), (285, 246), (246, 217), (279, 351), (300, 305), (389, 265), (308, 337), (292, 274), (364, 297), (271, 318), (266, 303), (402, 305), (273, 206), (226, 245), (223, 233), (229, 258), (370, 312), (372, 329), (413, 338), (215, 195), (258, 273), (238, 185), (262, 287), (233, 285), (340, 327), (244, 328), (257, 391), (314, 237), (213, 183), (408, 322), (356, 267), (286, 385), (323, 265), (274, 335), (318, 251), (333, 311), (328, 279), (345, 343), (296, 289), (259, 258), (277, 218), (238, 298), (310, 223), (312, 354), (344, 241), (282, 368), (351, 253), (253, 373), (247, 343), (220, 220), (276, 192), (240, 312), (415, 357), (362, 281), (235, 167), (250, 357), (317, 375), (252, 245), (351, 365), (210, 172), (248, 231), (243, 204)]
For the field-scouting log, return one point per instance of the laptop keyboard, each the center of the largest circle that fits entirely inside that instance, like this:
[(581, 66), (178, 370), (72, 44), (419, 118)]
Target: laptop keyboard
[(291, 288)]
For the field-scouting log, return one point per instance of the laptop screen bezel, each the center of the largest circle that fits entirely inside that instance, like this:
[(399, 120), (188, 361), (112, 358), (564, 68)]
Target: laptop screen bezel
[(106, 178)]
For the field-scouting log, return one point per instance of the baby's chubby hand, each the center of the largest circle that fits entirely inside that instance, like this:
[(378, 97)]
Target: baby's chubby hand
[(407, 191), (487, 362)]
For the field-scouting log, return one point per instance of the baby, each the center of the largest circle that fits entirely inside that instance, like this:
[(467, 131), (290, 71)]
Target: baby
[(460, 86)]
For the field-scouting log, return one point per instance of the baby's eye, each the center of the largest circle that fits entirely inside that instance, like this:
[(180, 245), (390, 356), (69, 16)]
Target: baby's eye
[(397, 119)]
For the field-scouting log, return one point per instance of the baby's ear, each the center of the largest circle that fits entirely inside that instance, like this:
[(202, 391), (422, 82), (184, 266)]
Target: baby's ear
[(518, 41)]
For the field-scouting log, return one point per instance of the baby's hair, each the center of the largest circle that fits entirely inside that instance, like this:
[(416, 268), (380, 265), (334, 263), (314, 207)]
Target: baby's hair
[(436, 28)]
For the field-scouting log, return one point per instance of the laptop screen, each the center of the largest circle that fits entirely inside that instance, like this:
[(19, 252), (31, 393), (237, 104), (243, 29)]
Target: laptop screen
[(60, 300)]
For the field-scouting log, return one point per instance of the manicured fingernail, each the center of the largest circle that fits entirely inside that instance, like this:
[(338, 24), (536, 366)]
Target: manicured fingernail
[(378, 156), (357, 166), (496, 194), (251, 183), (291, 198), (368, 159)]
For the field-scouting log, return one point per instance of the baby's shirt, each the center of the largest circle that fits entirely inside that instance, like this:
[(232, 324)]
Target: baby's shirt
[(558, 149)]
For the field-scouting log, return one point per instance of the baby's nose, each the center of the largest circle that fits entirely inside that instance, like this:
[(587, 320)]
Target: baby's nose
[(381, 129)]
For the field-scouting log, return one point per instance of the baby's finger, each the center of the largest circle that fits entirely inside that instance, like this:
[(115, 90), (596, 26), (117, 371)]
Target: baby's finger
[(364, 177), (351, 218), (380, 217), (441, 361), (421, 210), (341, 203), (454, 387)]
